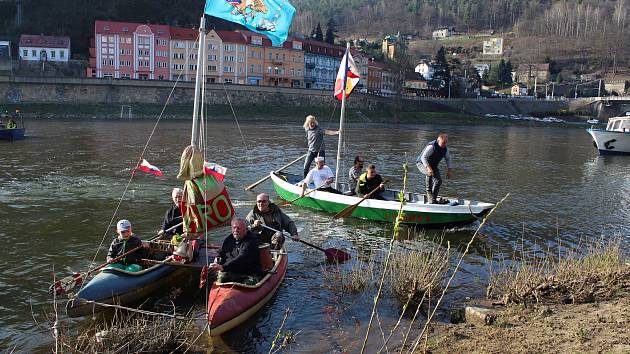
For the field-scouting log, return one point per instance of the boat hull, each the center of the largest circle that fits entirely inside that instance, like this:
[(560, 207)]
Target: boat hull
[(231, 304), (115, 286), (610, 142), (12, 134), (415, 211)]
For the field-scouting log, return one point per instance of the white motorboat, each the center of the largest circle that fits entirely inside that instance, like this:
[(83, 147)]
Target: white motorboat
[(615, 139)]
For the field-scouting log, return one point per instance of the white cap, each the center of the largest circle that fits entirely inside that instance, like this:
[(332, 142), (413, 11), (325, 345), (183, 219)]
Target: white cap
[(319, 158), (123, 225)]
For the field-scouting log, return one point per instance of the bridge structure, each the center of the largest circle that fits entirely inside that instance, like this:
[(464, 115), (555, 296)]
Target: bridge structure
[(601, 107)]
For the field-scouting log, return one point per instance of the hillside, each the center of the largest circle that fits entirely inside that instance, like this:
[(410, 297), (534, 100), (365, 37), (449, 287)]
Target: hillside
[(591, 33)]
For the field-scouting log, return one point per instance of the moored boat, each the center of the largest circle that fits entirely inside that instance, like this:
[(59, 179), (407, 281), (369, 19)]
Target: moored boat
[(615, 139), (231, 304), (113, 286), (417, 211)]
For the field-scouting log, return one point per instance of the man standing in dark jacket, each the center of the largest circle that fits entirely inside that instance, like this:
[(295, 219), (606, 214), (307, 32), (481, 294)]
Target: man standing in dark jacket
[(238, 259), (428, 162), (267, 213)]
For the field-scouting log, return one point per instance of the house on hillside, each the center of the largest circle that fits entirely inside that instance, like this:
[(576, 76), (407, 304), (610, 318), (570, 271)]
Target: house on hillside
[(44, 48), (443, 32), (391, 44), (493, 46), (519, 89), (527, 73), (425, 69), (6, 65)]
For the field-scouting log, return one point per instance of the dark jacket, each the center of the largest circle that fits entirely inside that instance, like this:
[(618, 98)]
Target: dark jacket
[(280, 222), (240, 256), (438, 154), (173, 217), (120, 246), (365, 185)]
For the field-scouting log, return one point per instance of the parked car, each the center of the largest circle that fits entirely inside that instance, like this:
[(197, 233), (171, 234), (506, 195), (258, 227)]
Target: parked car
[(592, 121)]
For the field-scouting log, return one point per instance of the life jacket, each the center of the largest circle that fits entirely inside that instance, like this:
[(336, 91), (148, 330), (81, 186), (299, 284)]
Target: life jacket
[(11, 124), (437, 155)]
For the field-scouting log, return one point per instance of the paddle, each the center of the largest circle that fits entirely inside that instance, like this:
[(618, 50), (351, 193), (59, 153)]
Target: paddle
[(68, 283), (253, 185), (332, 254), (287, 202), (347, 211)]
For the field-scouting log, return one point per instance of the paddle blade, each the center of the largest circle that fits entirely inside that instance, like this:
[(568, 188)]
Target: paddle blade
[(347, 211), (335, 255)]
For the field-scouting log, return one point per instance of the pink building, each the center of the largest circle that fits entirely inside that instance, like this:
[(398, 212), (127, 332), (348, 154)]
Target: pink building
[(131, 50)]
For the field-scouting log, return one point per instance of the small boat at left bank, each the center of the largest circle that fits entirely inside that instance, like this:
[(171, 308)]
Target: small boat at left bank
[(10, 131), (113, 286)]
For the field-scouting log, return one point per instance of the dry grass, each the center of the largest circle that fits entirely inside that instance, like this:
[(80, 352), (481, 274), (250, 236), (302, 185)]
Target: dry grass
[(415, 272), (597, 273), (138, 333), (353, 278)]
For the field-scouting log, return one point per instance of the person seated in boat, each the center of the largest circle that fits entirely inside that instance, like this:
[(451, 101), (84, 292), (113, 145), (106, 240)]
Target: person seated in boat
[(238, 259), (173, 216), (125, 242), (368, 182), (353, 175), (321, 175), (267, 213), (428, 161)]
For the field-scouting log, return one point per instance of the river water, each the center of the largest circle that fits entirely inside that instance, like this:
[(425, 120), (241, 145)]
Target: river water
[(60, 187)]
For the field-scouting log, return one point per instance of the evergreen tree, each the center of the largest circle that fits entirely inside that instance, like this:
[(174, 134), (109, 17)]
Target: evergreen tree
[(441, 72), (331, 31), (506, 77), (317, 34)]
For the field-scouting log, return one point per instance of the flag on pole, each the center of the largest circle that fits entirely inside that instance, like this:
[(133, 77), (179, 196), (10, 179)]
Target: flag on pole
[(145, 166), (271, 18), (352, 73), (215, 170)]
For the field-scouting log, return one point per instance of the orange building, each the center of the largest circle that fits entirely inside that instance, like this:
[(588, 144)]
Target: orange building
[(283, 66)]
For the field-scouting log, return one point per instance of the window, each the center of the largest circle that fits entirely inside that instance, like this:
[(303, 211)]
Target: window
[(251, 68), (228, 58), (34, 53), (270, 56), (212, 46), (228, 81), (257, 40), (299, 72), (192, 67), (241, 48), (297, 45), (212, 68), (228, 47), (106, 28), (25, 53), (292, 72), (241, 59), (269, 69), (212, 58), (228, 69)]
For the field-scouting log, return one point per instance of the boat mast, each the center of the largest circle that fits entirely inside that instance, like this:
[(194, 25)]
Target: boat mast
[(201, 55), (343, 113)]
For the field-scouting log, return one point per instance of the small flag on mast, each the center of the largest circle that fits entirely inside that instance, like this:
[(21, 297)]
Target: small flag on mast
[(214, 169), (352, 76), (145, 166), (269, 17)]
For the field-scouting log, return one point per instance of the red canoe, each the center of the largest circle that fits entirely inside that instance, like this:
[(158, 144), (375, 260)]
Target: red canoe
[(230, 304)]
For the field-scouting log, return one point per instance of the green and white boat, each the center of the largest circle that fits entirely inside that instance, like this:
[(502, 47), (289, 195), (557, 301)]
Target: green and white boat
[(417, 211)]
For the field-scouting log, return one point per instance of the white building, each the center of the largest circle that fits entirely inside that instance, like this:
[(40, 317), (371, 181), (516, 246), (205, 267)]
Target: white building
[(494, 46), (425, 69), (482, 69), (40, 47), (443, 32)]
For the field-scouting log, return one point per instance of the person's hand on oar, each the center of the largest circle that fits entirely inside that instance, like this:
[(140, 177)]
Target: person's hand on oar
[(347, 211), (332, 254)]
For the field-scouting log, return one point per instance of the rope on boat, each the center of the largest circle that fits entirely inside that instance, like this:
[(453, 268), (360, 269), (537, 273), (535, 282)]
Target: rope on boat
[(133, 173), (235, 119)]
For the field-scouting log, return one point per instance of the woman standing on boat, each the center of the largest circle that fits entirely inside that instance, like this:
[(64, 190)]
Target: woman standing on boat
[(315, 140)]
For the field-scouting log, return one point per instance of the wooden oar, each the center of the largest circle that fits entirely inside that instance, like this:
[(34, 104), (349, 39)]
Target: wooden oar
[(332, 254), (253, 185), (287, 202), (68, 283), (347, 211)]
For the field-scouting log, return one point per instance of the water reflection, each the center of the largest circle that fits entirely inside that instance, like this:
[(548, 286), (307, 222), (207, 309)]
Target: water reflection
[(59, 187)]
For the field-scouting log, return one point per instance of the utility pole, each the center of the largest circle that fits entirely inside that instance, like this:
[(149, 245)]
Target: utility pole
[(576, 86), (599, 90)]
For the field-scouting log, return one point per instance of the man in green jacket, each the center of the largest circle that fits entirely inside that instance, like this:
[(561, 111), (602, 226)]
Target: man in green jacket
[(269, 214)]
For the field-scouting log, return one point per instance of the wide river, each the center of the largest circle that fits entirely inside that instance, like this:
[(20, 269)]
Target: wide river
[(60, 187)]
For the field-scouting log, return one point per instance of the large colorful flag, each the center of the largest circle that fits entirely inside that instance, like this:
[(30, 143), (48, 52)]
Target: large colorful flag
[(206, 203), (145, 166), (352, 78), (269, 17)]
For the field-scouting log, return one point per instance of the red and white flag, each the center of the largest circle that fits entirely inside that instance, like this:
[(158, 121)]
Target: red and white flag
[(352, 79), (215, 170), (145, 166)]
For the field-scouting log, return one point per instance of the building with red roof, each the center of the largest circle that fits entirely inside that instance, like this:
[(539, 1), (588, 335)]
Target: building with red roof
[(40, 47), (131, 51), (322, 61)]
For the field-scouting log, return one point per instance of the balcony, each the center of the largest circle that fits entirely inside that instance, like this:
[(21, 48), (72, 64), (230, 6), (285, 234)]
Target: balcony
[(276, 62)]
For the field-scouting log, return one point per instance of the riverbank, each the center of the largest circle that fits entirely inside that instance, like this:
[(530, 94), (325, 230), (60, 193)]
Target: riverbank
[(264, 113)]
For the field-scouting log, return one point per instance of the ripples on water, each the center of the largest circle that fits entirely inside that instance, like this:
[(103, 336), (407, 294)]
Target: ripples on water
[(59, 188)]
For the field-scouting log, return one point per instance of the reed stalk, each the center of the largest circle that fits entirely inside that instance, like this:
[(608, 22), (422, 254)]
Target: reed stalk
[(459, 262), (389, 252)]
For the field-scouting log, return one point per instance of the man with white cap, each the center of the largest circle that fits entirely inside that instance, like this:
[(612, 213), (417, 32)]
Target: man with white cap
[(173, 216), (321, 176), (125, 242)]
